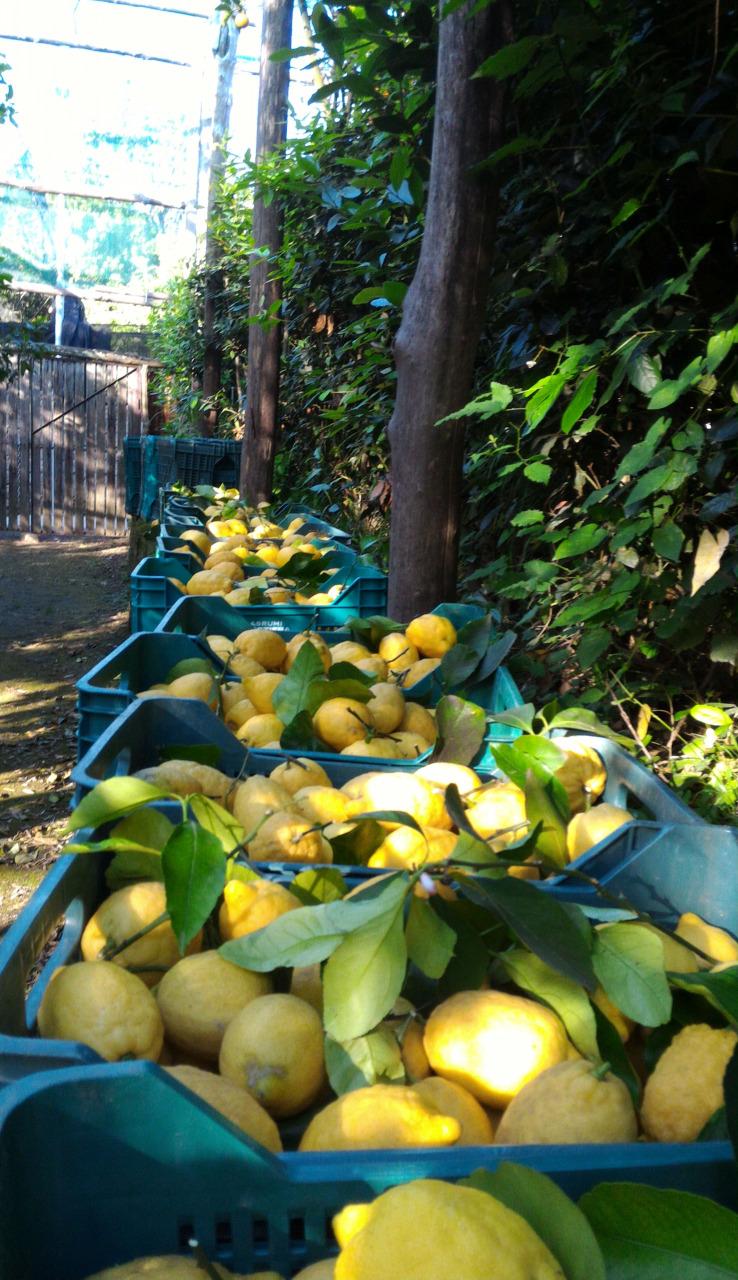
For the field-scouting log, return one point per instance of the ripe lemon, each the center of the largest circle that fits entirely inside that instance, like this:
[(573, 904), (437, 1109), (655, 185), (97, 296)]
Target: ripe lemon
[(569, 1103), (499, 808), (380, 748), (398, 652), (241, 665), (261, 730), (264, 646), (407, 792), (437, 1230), (239, 713), (373, 666), (196, 685), (249, 905), (405, 849), (207, 582), (454, 1100), (411, 746), (198, 537), (222, 645), (380, 1116), (386, 707), (274, 1048), (441, 774), (718, 944), (105, 1007), (187, 778), (255, 797), (199, 996), (493, 1043), (418, 671), (233, 1102), (348, 651), (321, 804), (286, 837), (342, 721), (417, 719), (172, 1267), (295, 644), (307, 983), (431, 634), (583, 776), (126, 912), (686, 1085), (300, 772), (325, 1270), (231, 693), (621, 1022), (587, 829)]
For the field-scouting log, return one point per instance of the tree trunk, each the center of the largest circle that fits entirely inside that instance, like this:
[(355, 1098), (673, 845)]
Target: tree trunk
[(265, 290), (212, 348), (442, 316)]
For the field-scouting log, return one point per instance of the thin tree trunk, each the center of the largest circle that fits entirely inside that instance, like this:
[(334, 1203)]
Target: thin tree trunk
[(265, 290), (212, 346), (443, 314)]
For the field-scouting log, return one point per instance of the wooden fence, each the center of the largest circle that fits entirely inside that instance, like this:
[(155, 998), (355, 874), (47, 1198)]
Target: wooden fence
[(62, 424)]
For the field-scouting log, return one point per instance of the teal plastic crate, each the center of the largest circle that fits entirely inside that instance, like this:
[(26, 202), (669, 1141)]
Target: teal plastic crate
[(102, 1164), (152, 595)]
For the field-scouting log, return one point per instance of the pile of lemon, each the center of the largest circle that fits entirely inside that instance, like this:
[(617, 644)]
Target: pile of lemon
[(227, 544), (488, 1065), (389, 725)]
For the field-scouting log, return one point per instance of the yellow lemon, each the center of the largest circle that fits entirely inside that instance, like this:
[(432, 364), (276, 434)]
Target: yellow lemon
[(393, 790), (274, 1048), (187, 778), (386, 707), (126, 912), (172, 1267), (413, 674), (583, 776), (493, 1043), (321, 804), (255, 797), (454, 1100), (380, 1116), (222, 645), (342, 721), (239, 713), (441, 774), (348, 651), (295, 644), (260, 689), (264, 646), (498, 814), (716, 943), (417, 719), (261, 730), (286, 837), (325, 1270), (196, 685), (381, 748), (233, 1102), (102, 1006), (686, 1085), (431, 634), (241, 665), (300, 772), (429, 1230), (411, 746), (198, 537), (307, 983), (398, 652), (373, 666), (208, 582), (199, 996), (570, 1103), (249, 905), (587, 829), (405, 849)]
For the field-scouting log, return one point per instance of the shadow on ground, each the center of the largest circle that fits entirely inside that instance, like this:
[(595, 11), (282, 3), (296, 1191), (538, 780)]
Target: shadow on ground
[(63, 606)]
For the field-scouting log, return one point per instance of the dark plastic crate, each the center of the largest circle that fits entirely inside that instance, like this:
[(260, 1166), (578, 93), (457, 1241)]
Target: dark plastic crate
[(203, 461), (153, 594), (102, 1164), (148, 461)]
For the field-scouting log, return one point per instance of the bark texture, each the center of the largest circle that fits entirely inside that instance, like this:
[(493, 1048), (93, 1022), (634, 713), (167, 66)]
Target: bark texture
[(225, 54), (442, 317), (265, 343)]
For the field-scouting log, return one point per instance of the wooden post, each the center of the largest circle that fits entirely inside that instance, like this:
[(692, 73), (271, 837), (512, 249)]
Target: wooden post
[(265, 341), (443, 315)]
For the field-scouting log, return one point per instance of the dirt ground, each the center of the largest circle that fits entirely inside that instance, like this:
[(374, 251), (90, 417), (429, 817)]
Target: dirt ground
[(63, 606)]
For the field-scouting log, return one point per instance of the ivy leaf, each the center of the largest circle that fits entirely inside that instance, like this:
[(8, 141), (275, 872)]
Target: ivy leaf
[(538, 472), (629, 963), (580, 402), (540, 922), (566, 998), (511, 59), (372, 1059), (291, 695), (111, 799), (430, 942), (218, 821), (194, 866), (461, 727), (549, 1211), (645, 1231), (580, 541), (668, 540), (364, 976)]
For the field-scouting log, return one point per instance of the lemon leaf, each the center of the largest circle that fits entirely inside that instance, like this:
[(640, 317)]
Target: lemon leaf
[(430, 942), (568, 999), (629, 962), (218, 821), (646, 1233), (111, 799), (194, 867)]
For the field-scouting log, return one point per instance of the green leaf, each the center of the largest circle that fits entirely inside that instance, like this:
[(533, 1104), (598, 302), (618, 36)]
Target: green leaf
[(189, 666), (585, 721), (458, 664), (544, 397), (580, 402), (524, 519), (323, 690), (718, 346), (719, 989), (580, 541), (521, 717), (321, 884), (668, 540), (566, 998), (592, 646), (129, 867), (347, 671), (111, 799), (291, 695), (311, 934), (299, 735), (495, 656), (511, 59), (629, 963), (540, 922), (364, 977), (218, 821), (538, 472), (484, 406), (353, 848), (194, 865), (641, 453), (646, 1233), (708, 713), (543, 805), (461, 727), (372, 1059), (626, 210), (561, 1226), (430, 942), (392, 291), (612, 1050)]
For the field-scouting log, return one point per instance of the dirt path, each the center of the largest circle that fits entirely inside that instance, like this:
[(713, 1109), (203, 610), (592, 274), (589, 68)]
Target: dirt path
[(63, 605)]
